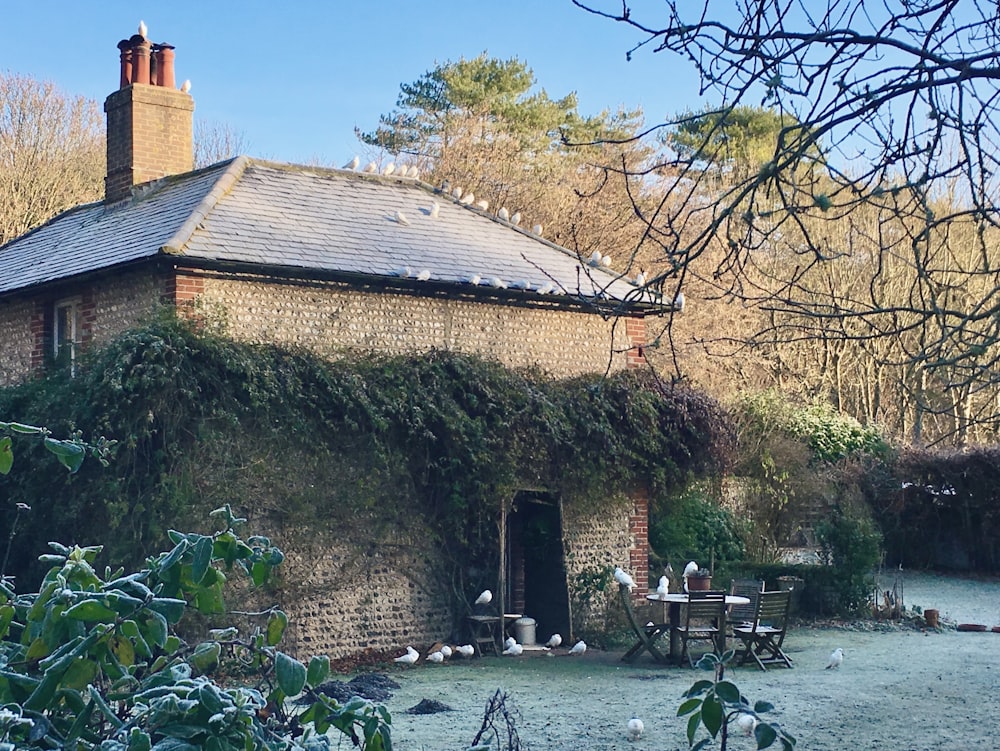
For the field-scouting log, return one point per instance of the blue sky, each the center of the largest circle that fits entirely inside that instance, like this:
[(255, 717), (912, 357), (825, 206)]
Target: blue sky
[(296, 77)]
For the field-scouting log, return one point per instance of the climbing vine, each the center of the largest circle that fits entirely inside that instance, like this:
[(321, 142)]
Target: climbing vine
[(364, 441)]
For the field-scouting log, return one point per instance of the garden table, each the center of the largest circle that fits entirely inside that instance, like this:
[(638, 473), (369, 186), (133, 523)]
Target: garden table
[(672, 614)]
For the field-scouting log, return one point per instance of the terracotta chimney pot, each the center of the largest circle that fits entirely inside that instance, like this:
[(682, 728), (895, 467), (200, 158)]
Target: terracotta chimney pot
[(163, 54), (140, 59), (125, 46)]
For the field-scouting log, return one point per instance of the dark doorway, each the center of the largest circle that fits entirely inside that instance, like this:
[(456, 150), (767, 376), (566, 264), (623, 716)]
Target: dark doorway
[(536, 571)]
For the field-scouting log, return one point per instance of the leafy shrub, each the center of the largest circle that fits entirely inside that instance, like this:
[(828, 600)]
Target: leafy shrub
[(694, 527), (92, 661), (851, 545)]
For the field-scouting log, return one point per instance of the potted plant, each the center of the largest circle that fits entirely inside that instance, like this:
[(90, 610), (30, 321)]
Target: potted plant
[(700, 580)]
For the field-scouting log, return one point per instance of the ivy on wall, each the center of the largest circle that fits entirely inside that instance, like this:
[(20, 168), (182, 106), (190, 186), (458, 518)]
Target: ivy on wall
[(369, 439)]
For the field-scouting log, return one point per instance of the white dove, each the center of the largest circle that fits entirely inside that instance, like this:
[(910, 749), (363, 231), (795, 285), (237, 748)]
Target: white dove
[(537, 229), (663, 587), (409, 658), (371, 167), (389, 169), (446, 651), (457, 193), (142, 28), (634, 729), (424, 275), (467, 198), (623, 577), (509, 642), (554, 641), (413, 172), (483, 204), (353, 164), (746, 723), (579, 648), (498, 282), (514, 649), (691, 568), (186, 86), (836, 659), (640, 279), (503, 214), (516, 218), (401, 218), (435, 209), (465, 650), (545, 288), (595, 258), (475, 279), (485, 598), (606, 261), (436, 656)]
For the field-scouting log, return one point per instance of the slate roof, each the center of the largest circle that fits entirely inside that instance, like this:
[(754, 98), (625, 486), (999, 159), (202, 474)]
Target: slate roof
[(302, 220)]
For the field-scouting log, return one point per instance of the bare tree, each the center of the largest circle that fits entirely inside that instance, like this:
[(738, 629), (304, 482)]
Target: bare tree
[(51, 153), (891, 107), (216, 142)]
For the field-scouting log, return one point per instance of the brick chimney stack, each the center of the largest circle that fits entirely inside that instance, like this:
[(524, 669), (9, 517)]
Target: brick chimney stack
[(150, 122)]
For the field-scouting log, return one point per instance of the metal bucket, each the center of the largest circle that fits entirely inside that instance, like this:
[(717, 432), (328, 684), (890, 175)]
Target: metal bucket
[(524, 630)]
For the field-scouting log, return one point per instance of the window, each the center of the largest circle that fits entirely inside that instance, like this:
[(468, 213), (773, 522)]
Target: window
[(65, 333)]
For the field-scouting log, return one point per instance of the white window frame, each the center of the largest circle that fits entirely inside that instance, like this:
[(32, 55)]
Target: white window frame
[(60, 337)]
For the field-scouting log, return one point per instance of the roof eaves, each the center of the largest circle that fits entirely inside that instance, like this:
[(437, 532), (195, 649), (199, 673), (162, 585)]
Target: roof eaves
[(175, 245)]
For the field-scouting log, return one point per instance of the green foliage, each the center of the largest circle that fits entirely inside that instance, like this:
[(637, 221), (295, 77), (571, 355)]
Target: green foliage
[(367, 443), (694, 527), (715, 704), (851, 544), (741, 138), (830, 436), (91, 660), (70, 452), (496, 93)]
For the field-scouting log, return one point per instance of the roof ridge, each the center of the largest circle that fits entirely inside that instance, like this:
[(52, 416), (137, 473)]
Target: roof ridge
[(224, 184)]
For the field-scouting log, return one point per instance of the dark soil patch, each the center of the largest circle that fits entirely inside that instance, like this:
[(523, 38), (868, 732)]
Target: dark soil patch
[(428, 706)]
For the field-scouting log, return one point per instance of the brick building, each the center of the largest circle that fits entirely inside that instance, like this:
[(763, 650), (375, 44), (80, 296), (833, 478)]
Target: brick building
[(332, 260)]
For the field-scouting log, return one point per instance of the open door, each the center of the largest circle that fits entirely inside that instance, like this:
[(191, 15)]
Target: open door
[(535, 567)]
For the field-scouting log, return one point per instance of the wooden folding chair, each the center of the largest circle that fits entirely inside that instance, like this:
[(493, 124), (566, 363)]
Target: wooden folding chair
[(763, 638), (646, 635), (704, 620), (740, 615)]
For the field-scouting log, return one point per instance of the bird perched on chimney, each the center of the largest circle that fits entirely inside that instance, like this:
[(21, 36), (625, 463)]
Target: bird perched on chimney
[(186, 86), (142, 29)]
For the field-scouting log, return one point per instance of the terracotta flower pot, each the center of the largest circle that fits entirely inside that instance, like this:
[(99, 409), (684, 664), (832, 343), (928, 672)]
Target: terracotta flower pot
[(699, 583)]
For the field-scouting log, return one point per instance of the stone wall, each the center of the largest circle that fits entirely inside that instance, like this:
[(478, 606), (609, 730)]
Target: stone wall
[(344, 596), (331, 318), (594, 542), (106, 310), (16, 338)]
